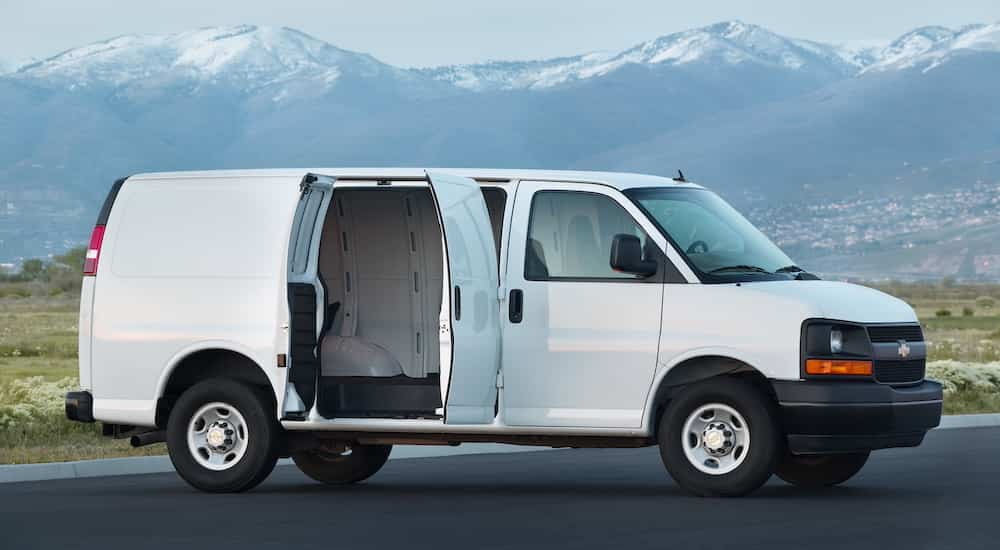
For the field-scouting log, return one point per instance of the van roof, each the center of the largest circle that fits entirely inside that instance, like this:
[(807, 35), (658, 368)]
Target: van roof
[(618, 180)]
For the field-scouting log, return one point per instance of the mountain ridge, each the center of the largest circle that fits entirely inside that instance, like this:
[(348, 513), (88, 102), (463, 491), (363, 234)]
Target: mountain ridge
[(281, 53), (777, 125)]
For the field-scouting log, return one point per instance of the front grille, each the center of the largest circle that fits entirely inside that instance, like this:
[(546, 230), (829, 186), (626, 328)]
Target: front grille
[(900, 372), (895, 333)]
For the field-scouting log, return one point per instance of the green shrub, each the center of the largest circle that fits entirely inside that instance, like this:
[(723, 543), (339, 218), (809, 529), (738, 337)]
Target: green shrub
[(985, 302), (967, 312), (32, 409), (942, 313), (968, 387)]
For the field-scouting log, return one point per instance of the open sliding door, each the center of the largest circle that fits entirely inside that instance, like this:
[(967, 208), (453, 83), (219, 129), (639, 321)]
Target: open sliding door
[(306, 295), (470, 318)]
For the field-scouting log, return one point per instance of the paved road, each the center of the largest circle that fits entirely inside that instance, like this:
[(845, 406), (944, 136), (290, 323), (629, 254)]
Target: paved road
[(945, 494)]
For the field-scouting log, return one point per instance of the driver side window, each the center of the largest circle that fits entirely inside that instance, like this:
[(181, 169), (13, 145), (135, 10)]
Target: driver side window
[(570, 235)]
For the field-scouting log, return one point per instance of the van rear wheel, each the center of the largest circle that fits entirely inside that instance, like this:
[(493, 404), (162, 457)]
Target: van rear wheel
[(720, 437), (341, 465), (823, 470), (222, 436)]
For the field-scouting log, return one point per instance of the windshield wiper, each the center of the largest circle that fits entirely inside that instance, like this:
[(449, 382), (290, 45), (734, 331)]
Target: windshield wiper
[(800, 274), (752, 268)]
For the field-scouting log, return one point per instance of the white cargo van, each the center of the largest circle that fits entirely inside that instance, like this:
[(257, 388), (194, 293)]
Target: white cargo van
[(328, 314)]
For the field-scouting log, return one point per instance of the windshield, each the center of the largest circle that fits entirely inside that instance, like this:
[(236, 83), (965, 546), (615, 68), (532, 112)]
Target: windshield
[(715, 239)]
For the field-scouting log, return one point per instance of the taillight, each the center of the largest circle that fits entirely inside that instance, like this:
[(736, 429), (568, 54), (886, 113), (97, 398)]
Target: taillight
[(93, 251)]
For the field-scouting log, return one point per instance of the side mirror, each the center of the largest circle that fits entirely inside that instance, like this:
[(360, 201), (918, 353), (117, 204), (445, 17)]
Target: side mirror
[(626, 256)]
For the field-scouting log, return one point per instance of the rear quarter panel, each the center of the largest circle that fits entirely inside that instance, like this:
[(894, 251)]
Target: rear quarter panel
[(187, 264)]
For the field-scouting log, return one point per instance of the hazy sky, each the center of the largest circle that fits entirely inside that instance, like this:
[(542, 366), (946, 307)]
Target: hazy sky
[(432, 32)]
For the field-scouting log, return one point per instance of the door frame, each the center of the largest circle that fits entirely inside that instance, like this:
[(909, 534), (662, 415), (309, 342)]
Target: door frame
[(304, 285)]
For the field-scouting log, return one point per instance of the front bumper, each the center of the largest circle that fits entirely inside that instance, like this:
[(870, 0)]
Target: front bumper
[(828, 416), (80, 406)]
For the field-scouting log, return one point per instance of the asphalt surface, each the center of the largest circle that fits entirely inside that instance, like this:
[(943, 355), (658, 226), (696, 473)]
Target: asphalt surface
[(945, 494)]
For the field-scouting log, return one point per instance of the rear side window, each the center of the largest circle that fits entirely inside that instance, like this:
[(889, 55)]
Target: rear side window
[(570, 235)]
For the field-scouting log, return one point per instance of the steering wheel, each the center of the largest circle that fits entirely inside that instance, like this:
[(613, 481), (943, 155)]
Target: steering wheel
[(698, 247)]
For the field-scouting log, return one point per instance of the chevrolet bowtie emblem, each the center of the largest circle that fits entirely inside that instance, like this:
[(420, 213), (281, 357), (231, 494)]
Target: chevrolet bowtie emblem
[(904, 349)]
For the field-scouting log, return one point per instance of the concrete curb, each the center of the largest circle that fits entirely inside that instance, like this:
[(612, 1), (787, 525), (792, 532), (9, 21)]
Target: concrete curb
[(969, 421), (13, 473)]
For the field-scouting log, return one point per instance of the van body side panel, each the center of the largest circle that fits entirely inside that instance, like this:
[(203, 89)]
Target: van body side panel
[(187, 262)]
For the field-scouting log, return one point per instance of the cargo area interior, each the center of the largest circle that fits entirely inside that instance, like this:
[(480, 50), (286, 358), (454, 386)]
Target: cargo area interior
[(381, 262)]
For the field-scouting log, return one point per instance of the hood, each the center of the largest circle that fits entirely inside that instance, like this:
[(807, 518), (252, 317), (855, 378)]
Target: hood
[(840, 301)]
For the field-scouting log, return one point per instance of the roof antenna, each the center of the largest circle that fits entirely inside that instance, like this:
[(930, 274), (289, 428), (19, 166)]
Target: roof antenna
[(680, 177)]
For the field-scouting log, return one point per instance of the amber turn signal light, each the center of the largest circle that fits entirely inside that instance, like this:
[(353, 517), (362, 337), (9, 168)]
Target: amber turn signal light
[(838, 366)]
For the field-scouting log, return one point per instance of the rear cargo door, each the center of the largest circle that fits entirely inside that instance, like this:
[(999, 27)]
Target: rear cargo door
[(306, 295), (470, 319)]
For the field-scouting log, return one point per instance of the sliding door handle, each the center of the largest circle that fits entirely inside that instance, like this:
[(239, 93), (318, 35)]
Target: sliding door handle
[(458, 303), (515, 307)]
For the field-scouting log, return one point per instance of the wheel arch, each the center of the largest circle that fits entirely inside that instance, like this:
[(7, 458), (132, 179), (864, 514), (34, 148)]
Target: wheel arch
[(696, 369), (216, 360)]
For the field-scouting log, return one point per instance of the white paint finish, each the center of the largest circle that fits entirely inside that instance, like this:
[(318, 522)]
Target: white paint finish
[(137, 412), (469, 364), (169, 222), (759, 323), (85, 331), (835, 300), (617, 180), (585, 352), (187, 270), (588, 369)]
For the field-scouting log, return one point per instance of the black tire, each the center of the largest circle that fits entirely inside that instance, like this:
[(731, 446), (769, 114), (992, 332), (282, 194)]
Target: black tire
[(765, 444), (338, 468), (824, 470), (264, 435)]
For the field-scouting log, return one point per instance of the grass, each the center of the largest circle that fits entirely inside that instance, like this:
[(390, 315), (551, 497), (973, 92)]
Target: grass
[(38, 346), (38, 365)]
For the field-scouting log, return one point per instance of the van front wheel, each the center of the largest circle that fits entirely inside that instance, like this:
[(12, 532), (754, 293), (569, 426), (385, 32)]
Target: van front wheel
[(223, 436), (341, 465), (822, 470), (720, 437)]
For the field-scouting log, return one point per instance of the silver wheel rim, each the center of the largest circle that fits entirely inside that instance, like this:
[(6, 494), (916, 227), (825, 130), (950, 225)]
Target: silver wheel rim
[(715, 439), (217, 436)]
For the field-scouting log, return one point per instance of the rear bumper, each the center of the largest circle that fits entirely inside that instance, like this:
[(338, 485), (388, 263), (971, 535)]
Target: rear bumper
[(80, 406), (851, 416)]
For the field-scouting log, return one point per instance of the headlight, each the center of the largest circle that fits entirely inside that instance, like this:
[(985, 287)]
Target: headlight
[(835, 348), (836, 341)]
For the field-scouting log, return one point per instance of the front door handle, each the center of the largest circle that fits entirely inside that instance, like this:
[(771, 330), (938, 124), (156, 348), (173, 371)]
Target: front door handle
[(515, 307)]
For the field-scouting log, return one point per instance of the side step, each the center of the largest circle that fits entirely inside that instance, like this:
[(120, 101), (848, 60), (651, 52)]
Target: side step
[(396, 397)]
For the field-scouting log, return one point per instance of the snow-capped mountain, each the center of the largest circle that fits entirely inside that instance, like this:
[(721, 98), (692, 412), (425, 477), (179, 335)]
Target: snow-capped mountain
[(253, 57), (928, 47), (728, 43), (750, 112), (247, 56)]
